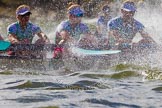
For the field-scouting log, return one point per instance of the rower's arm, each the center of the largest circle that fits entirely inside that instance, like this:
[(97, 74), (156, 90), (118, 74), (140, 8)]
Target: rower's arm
[(146, 37), (115, 35), (12, 38), (99, 29), (44, 37), (64, 37), (87, 40)]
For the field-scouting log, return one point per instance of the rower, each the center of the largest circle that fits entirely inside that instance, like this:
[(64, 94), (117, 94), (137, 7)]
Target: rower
[(124, 28), (101, 31), (72, 31), (23, 31)]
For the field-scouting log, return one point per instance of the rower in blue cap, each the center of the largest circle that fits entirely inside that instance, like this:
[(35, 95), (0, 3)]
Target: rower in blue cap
[(72, 31), (124, 28), (23, 31), (101, 27)]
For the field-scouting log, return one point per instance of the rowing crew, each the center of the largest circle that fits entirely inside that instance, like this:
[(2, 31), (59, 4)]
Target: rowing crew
[(72, 31)]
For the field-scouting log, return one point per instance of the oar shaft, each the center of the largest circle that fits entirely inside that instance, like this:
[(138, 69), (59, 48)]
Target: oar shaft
[(32, 47)]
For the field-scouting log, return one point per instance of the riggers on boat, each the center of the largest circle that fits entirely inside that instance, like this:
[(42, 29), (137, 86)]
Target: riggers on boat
[(31, 51), (38, 55), (40, 50)]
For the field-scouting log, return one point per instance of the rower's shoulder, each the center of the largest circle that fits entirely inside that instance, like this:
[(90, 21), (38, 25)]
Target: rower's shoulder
[(83, 24), (138, 23), (12, 24), (114, 22), (32, 25), (65, 22), (115, 19), (101, 17)]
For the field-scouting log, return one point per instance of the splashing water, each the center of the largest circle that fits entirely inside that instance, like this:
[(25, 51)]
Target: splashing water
[(90, 81)]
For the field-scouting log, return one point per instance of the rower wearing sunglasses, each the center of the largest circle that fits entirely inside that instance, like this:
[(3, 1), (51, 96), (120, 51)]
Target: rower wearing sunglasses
[(72, 31), (23, 31), (125, 27)]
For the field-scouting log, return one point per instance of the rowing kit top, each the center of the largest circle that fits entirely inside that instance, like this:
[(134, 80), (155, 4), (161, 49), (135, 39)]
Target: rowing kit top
[(75, 32), (27, 33), (126, 30), (102, 21)]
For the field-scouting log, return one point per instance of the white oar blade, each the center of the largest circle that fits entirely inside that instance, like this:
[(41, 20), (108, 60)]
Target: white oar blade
[(81, 51), (4, 45)]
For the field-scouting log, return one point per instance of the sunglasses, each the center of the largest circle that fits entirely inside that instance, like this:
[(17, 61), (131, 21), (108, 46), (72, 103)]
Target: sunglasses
[(78, 15)]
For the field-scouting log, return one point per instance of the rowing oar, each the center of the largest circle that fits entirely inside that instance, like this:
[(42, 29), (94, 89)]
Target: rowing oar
[(141, 46), (91, 52), (4, 45), (8, 50)]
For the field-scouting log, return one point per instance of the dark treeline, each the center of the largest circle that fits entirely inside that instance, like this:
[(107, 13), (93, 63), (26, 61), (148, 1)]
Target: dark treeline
[(60, 4), (91, 7), (55, 5)]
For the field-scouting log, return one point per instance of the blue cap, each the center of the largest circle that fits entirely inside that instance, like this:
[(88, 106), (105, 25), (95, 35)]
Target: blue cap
[(106, 8), (23, 11), (129, 6), (77, 11)]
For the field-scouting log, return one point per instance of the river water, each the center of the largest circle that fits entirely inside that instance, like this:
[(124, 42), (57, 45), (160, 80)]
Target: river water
[(99, 82), (102, 82)]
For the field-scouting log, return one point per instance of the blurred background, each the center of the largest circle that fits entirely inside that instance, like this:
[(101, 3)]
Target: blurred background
[(91, 7)]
